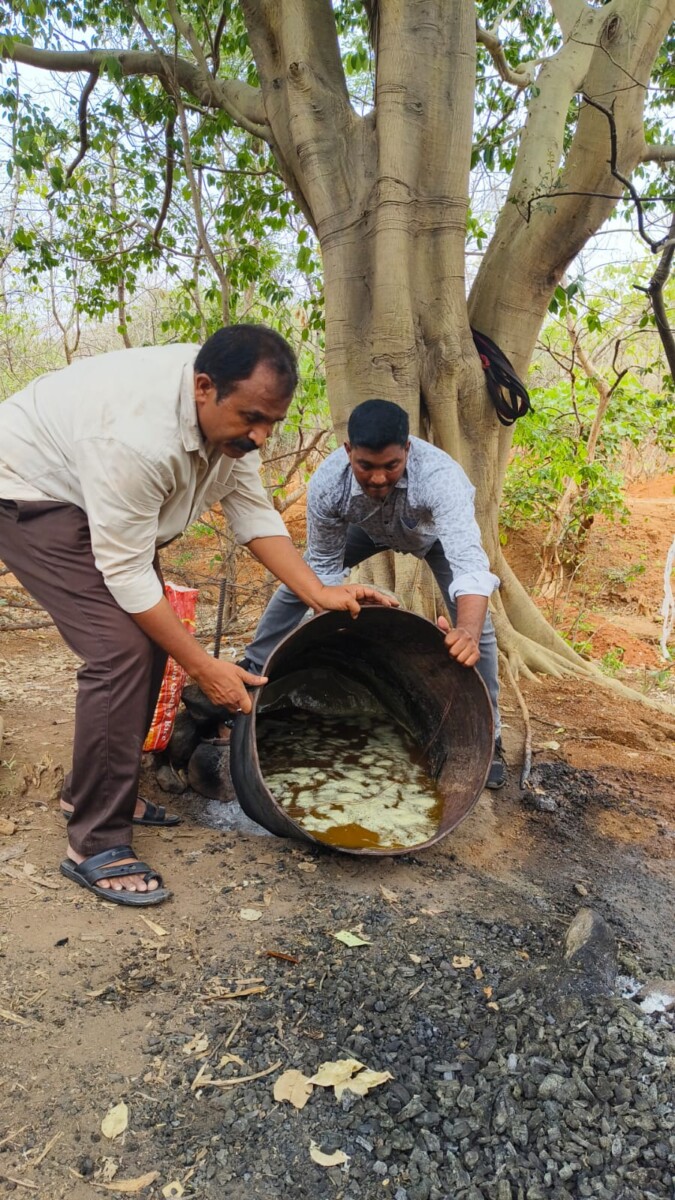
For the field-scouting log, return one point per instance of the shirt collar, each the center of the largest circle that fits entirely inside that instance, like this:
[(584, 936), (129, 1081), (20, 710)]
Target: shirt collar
[(189, 425)]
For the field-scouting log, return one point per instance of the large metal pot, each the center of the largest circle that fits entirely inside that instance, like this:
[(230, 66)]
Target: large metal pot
[(401, 660)]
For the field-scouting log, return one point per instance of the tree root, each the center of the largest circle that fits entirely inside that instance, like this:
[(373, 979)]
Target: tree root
[(527, 744)]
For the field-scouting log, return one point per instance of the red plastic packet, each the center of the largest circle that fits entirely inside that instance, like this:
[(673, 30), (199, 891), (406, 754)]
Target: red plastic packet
[(183, 601)]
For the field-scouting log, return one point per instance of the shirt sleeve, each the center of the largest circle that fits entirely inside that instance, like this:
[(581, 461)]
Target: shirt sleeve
[(246, 504), (123, 494), (455, 522), (326, 532)]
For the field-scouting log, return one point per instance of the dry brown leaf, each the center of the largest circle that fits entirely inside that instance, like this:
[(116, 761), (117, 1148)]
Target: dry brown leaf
[(155, 927), (228, 1058), (173, 1190), (432, 912), (250, 914), (336, 1159), (416, 990), (362, 1083), (115, 1121), (487, 991), (415, 958), (331, 1073), (130, 1186), (7, 827), (478, 973), (107, 1171), (197, 1045), (412, 920), (492, 1004), (522, 954), (307, 866), (294, 1087), (388, 895), (461, 961)]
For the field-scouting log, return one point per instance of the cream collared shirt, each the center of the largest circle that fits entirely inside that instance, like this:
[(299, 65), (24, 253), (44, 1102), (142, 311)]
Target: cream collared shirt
[(117, 435)]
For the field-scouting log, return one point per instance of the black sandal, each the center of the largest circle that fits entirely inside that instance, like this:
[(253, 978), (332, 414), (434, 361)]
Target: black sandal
[(155, 814), (106, 865)]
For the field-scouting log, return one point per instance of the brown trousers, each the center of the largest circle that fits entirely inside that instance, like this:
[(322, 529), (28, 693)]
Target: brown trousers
[(48, 547)]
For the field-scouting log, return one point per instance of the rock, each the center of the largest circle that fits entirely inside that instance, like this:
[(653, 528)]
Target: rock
[(557, 1087), (169, 780), (184, 739), (590, 948), (202, 711), (209, 771), (545, 804), (7, 827)]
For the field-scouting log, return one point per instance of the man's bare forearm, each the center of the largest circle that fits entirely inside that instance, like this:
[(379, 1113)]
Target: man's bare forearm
[(280, 557), (471, 612)]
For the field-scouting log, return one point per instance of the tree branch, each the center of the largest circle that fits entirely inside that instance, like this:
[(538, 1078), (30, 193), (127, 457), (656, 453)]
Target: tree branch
[(658, 154), (82, 121), (168, 180), (240, 101), (630, 187), (655, 293), (520, 77), (567, 13)]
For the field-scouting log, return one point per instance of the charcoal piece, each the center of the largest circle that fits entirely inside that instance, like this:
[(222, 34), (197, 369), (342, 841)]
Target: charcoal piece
[(209, 771)]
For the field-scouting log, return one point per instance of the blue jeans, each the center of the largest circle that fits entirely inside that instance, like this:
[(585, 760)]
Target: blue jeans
[(285, 611)]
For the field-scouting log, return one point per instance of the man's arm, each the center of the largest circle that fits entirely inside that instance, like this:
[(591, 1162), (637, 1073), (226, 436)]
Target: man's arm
[(462, 641), (280, 557), (221, 681)]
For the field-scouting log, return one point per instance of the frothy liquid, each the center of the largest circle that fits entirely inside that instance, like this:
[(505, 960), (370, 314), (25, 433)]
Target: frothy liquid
[(355, 782)]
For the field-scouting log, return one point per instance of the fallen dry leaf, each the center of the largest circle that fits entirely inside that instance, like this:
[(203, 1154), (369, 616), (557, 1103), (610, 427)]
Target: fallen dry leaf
[(228, 1058), (522, 954), (115, 1121), (362, 1083), (478, 974), (307, 866), (173, 1190), (107, 1171), (294, 1087), (487, 991), (415, 958), (130, 1186), (336, 1159), (250, 914), (197, 1045), (432, 912), (155, 927), (331, 1073), (351, 939), (416, 990), (549, 745), (388, 895), (492, 1004), (461, 961)]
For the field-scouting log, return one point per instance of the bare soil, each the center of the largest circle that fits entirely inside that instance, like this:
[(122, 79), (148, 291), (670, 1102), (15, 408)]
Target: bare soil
[(91, 994)]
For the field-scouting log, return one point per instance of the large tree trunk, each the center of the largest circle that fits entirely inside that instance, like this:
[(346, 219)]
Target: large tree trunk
[(387, 195)]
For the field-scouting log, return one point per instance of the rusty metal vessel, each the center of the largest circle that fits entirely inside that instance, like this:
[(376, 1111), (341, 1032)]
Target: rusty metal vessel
[(399, 659)]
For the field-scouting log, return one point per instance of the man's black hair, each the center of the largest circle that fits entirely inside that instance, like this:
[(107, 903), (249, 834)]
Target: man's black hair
[(378, 423), (233, 353)]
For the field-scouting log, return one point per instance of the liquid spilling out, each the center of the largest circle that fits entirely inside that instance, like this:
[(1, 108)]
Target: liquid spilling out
[(353, 781)]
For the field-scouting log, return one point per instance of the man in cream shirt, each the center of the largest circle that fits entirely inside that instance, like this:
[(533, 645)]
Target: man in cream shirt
[(100, 465)]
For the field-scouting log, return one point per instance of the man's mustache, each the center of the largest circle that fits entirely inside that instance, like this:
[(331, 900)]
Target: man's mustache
[(244, 444)]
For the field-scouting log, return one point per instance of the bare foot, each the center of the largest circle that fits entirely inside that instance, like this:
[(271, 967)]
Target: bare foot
[(122, 883), (138, 811)]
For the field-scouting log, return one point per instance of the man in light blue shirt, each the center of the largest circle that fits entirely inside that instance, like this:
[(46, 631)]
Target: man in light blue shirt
[(385, 490)]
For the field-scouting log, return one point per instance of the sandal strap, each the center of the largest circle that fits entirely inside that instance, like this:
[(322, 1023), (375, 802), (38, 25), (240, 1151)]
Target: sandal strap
[(153, 812), (106, 865)]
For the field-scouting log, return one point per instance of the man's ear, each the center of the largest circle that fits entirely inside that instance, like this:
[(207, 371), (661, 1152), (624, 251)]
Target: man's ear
[(347, 447)]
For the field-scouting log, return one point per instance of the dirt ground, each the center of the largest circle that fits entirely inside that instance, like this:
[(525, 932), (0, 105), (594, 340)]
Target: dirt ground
[(91, 994)]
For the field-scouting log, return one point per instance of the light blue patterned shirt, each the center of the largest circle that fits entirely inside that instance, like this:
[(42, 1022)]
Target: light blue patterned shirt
[(432, 501)]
